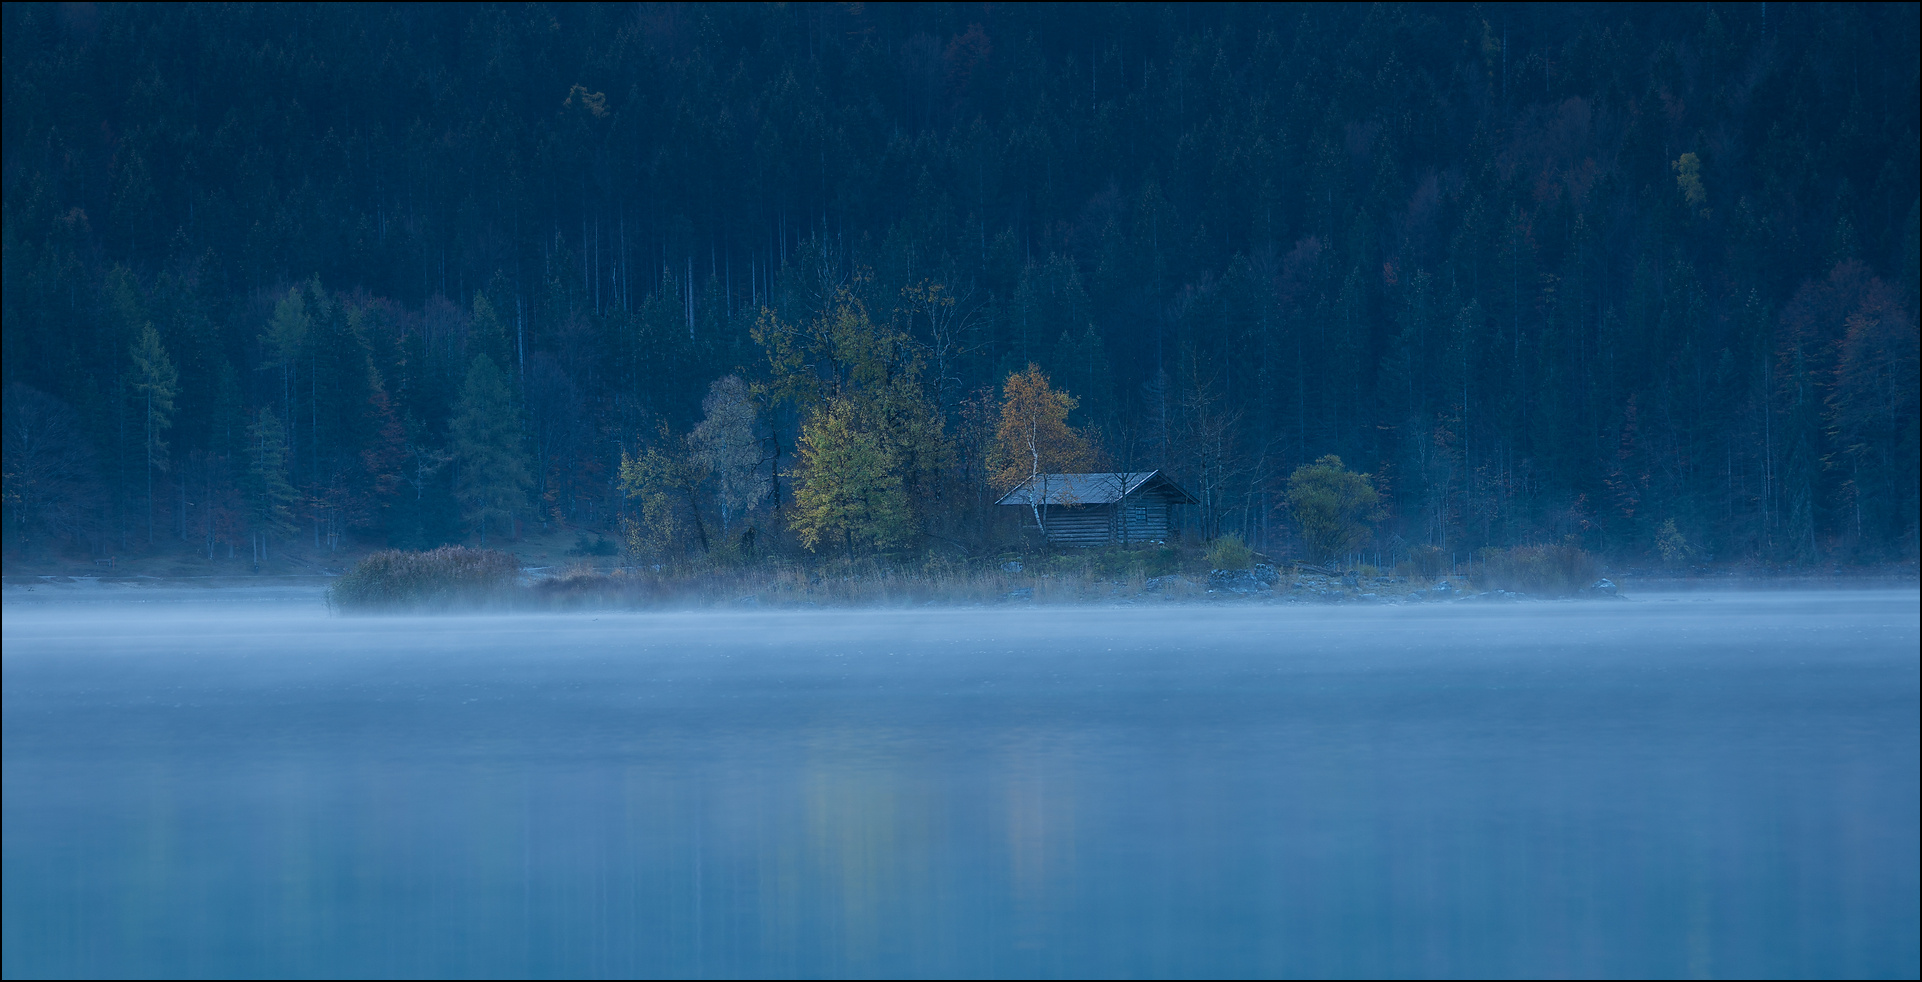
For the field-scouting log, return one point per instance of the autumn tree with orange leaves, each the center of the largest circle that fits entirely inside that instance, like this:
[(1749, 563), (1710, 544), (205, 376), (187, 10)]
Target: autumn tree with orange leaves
[(1034, 441)]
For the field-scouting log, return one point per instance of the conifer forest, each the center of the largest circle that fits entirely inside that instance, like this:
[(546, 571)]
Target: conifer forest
[(781, 279)]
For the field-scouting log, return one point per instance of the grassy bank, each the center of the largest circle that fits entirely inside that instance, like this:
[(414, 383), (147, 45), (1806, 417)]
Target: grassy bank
[(1069, 578), (454, 577)]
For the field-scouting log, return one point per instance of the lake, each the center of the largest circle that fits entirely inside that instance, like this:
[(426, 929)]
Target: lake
[(234, 784)]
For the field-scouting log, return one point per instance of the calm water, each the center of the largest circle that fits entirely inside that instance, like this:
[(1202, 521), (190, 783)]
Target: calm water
[(1718, 785)]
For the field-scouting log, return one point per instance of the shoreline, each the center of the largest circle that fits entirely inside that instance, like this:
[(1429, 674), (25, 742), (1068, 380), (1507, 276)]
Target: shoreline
[(547, 595)]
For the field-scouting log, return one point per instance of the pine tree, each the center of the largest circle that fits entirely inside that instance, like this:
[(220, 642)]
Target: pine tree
[(270, 494), (488, 335), (1083, 363), (155, 383), (493, 478), (286, 338), (49, 469), (385, 458)]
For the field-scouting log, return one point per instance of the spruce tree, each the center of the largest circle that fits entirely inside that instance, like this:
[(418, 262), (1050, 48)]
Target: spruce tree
[(155, 383), (270, 494), (492, 478)]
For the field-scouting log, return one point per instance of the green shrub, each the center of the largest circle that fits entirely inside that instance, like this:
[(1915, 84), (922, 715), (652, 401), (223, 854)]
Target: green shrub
[(1114, 562), (396, 578), (1334, 508), (1229, 552), (1161, 561), (1549, 571)]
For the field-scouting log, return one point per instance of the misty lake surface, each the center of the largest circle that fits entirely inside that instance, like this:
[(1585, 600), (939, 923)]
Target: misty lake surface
[(1690, 785)]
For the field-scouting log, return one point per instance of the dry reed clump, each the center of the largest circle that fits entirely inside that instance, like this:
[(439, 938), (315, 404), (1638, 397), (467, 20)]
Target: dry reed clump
[(880, 585), (874, 584), (579, 585), (1547, 571), (448, 576), (1064, 578)]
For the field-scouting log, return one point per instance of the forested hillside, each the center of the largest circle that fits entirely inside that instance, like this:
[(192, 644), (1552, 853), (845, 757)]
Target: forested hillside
[(702, 276)]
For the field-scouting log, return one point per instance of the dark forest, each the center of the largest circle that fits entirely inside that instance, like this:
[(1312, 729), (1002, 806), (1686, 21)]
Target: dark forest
[(768, 279)]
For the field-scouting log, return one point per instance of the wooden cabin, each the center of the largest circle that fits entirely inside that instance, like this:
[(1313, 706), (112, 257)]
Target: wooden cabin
[(1100, 509)]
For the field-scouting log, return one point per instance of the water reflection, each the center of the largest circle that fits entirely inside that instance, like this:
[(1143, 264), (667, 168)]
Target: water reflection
[(1723, 787)]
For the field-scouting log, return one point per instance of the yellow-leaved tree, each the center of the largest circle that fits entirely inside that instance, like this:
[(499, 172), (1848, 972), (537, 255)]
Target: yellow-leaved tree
[(663, 484), (871, 447), (850, 485), (1033, 441)]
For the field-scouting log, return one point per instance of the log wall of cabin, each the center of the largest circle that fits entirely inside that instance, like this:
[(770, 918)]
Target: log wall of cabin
[(1080, 525), (1137, 519), (1142, 518)]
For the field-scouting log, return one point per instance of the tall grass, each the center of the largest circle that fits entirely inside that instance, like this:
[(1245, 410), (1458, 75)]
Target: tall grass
[(1545, 571), (444, 577), (1079, 577), (1426, 562), (454, 577)]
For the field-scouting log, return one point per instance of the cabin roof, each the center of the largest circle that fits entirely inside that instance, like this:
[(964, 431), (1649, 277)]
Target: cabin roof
[(1104, 488)]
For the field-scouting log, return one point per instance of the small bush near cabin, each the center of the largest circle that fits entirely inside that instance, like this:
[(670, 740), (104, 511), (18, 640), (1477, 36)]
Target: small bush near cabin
[(1229, 552), (439, 577), (1547, 571)]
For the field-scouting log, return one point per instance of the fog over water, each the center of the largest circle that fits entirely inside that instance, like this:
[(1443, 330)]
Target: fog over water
[(235, 784)]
